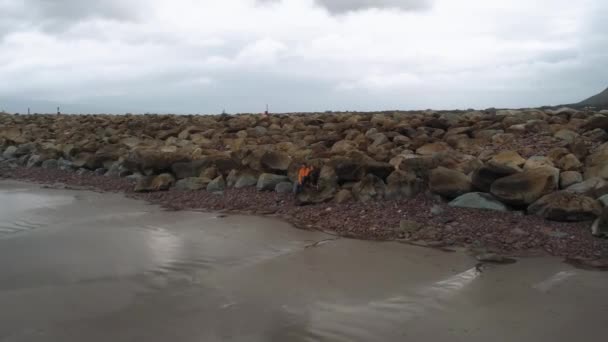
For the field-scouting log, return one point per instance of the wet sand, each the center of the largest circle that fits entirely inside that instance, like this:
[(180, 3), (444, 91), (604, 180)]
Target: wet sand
[(85, 266)]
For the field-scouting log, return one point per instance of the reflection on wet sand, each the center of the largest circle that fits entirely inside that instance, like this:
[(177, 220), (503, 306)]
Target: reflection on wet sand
[(83, 266)]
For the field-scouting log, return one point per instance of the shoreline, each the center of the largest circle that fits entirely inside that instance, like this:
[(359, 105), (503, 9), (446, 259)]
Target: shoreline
[(510, 234)]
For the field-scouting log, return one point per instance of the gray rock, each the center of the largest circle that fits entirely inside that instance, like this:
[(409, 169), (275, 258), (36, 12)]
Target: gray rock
[(436, 210), (65, 165), (269, 181), (33, 161), (246, 180), (9, 163), (83, 171), (135, 177), (22, 160), (118, 170), (217, 185), (588, 187), (191, 184), (284, 187), (100, 171), (50, 164), (603, 200), (478, 200), (9, 153)]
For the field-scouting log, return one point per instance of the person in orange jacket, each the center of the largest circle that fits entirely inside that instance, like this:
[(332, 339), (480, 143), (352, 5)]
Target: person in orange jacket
[(305, 177)]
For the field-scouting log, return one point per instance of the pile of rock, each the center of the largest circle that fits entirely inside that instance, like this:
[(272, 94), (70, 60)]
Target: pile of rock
[(552, 163)]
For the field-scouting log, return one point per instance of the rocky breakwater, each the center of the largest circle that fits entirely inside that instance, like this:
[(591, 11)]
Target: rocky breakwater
[(550, 163)]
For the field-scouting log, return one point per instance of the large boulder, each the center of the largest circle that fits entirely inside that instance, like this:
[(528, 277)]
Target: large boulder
[(155, 183), (269, 181), (273, 161), (478, 200), (597, 163), (187, 169), (509, 159), (369, 188), (191, 184), (485, 176), (88, 160), (402, 184), (245, 180), (566, 206), (356, 165), (449, 183), (526, 187), (154, 159)]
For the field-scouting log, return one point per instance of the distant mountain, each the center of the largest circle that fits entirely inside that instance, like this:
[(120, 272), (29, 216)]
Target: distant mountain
[(599, 100)]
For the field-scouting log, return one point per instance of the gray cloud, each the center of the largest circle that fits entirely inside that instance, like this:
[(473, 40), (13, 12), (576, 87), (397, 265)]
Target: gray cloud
[(342, 6), (80, 10), (298, 55), (345, 6)]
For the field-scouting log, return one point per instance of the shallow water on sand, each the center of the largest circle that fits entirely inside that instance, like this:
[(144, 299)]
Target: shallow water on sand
[(84, 266)]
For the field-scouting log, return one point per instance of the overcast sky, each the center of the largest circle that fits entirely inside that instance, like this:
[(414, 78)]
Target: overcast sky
[(202, 56)]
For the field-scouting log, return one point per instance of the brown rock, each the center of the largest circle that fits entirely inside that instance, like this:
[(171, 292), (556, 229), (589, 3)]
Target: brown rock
[(510, 159), (569, 178), (537, 161), (566, 207), (343, 196), (430, 149), (273, 161), (483, 177), (155, 183), (569, 162), (449, 183), (526, 187)]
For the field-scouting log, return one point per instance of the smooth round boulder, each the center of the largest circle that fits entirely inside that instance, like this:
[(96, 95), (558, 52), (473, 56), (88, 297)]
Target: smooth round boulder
[(566, 206)]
